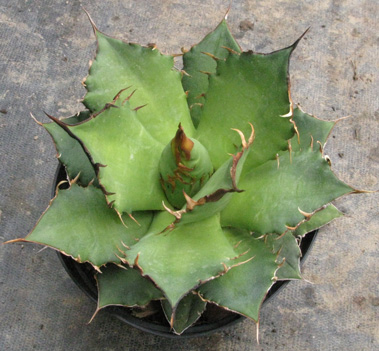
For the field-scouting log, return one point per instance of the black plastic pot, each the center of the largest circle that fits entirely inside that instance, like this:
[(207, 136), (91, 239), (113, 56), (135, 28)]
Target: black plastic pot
[(214, 318)]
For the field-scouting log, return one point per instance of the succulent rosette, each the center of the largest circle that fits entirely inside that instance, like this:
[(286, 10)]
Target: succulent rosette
[(192, 186)]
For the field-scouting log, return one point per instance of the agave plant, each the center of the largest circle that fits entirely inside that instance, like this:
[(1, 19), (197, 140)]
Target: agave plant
[(192, 186)]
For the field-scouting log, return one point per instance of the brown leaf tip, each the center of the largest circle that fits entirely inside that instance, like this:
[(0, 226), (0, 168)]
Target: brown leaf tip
[(181, 144)]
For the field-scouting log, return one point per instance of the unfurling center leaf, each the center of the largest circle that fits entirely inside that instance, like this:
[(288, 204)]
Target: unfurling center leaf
[(184, 166)]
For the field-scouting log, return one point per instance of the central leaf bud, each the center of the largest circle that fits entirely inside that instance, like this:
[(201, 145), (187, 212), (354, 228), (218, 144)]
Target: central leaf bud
[(184, 166)]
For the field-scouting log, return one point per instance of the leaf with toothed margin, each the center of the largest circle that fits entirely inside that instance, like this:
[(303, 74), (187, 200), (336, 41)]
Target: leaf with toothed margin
[(181, 259), (277, 191), (157, 85), (187, 312), (318, 220), (117, 139), (243, 288), (261, 82), (289, 254), (311, 130), (217, 192), (124, 287), (80, 224), (196, 61), (69, 151)]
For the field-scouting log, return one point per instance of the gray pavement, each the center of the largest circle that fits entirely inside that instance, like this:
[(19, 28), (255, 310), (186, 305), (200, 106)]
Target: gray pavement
[(45, 47)]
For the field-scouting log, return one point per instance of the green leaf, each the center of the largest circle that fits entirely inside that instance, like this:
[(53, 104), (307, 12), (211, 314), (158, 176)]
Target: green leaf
[(69, 151), (124, 287), (119, 65), (274, 194), (129, 154), (311, 130), (184, 167), (195, 61), (80, 224), (318, 220), (181, 259), (289, 254), (187, 312), (214, 196), (244, 287), (261, 83)]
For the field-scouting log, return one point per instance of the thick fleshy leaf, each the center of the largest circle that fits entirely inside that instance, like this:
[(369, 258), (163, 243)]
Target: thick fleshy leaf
[(217, 192), (69, 151), (80, 224), (196, 61), (261, 83), (119, 65), (244, 287), (289, 254), (277, 190), (181, 259), (311, 130), (124, 287), (187, 312), (318, 220), (184, 167), (127, 155)]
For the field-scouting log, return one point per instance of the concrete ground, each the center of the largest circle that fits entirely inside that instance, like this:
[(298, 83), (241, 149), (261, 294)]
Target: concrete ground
[(45, 47)]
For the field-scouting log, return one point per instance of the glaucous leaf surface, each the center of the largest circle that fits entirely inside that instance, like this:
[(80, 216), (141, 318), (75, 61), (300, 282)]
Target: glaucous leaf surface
[(225, 243), (187, 312), (196, 61), (124, 287), (214, 196), (311, 130), (69, 151), (80, 224), (247, 88), (157, 85), (178, 260), (289, 254), (244, 287), (129, 156), (318, 220), (274, 194)]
